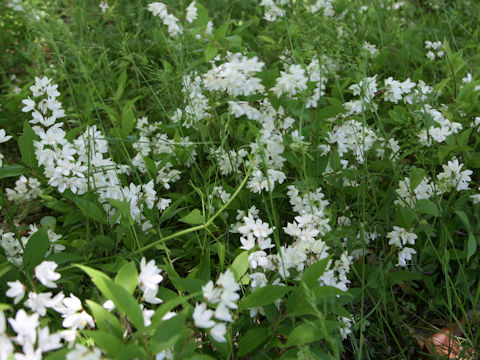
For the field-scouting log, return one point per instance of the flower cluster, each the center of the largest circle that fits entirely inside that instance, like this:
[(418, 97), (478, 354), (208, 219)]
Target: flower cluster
[(442, 128), (3, 138), (196, 108), (433, 47), (223, 294), (400, 237), (236, 75), (25, 190), (160, 9)]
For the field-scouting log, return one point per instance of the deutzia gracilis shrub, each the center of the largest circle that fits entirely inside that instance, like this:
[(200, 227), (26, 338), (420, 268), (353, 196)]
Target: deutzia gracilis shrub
[(238, 180)]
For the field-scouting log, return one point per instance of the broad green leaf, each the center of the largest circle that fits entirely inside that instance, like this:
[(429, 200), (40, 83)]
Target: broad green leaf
[(251, 340), (266, 39), (210, 52), (464, 217), (202, 16), (303, 334), (124, 302), (330, 111), (105, 320), (219, 34), (88, 208), (200, 357), (311, 331), (240, 265), (105, 341), (128, 119), (168, 333), (12, 171), (405, 217), (168, 306), (25, 144), (35, 250), (416, 177), (127, 277), (401, 276), (313, 272), (425, 206), (322, 292), (471, 246), (5, 307), (123, 210), (263, 296), (195, 217), (58, 355)]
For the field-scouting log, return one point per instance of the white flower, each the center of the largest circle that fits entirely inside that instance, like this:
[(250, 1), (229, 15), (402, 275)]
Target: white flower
[(45, 273), (109, 305), (211, 293), (147, 316), (16, 290), (3, 136), (149, 277), (223, 313), (218, 332), (404, 255), (258, 258), (29, 353), (39, 302), (25, 327), (47, 341), (202, 316), (72, 304), (150, 296), (191, 12), (78, 321), (103, 6)]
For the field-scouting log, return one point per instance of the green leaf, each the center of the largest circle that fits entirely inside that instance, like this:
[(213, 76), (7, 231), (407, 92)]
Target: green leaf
[(263, 296), (464, 218), (35, 250), (266, 39), (25, 144), (89, 208), (195, 217), (168, 306), (200, 357), (12, 171), (105, 321), (58, 355), (240, 265), (127, 277), (202, 16), (416, 177), (405, 217), (313, 272), (471, 246), (168, 333), (124, 302), (310, 331), (321, 292), (5, 268), (128, 119), (251, 340), (210, 52), (219, 34), (399, 277), (105, 341), (123, 210), (425, 206), (5, 307)]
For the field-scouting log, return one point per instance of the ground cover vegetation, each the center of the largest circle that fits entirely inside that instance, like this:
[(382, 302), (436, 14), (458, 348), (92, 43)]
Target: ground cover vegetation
[(246, 179)]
